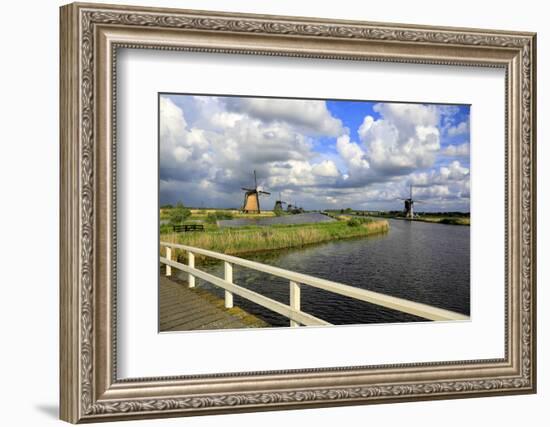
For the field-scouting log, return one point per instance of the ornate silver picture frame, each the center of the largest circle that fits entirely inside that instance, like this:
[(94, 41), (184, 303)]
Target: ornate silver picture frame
[(91, 35)]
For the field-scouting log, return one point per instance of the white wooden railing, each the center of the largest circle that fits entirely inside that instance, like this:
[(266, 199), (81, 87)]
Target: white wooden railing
[(296, 281)]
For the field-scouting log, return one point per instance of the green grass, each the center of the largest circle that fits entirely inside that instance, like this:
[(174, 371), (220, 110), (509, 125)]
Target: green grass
[(453, 220), (236, 241)]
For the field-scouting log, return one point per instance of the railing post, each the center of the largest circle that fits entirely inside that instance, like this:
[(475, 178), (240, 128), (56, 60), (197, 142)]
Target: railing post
[(169, 258), (191, 263), (228, 277), (294, 300)]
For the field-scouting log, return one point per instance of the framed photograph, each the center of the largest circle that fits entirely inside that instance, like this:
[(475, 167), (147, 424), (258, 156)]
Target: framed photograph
[(267, 212)]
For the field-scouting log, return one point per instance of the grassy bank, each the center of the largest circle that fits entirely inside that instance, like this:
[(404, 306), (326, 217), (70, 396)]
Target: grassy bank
[(237, 241), (449, 218), (445, 220)]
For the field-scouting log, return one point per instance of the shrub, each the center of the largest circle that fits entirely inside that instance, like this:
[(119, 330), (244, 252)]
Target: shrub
[(211, 218), (179, 214), (354, 222), (224, 215)]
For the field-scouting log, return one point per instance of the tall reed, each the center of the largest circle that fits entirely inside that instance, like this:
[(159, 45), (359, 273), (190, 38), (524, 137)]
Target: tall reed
[(235, 241)]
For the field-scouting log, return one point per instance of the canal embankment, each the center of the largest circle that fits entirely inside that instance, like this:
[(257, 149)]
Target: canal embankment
[(252, 239)]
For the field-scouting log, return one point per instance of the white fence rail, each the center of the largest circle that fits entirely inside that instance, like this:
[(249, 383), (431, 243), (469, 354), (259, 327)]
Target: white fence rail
[(296, 280)]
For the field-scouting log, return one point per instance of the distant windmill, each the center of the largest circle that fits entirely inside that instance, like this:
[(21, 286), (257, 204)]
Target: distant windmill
[(279, 204), (294, 209), (409, 204), (252, 198)]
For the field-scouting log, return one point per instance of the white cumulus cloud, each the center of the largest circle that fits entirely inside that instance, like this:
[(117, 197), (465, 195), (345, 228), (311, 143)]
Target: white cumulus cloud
[(310, 116), (460, 129), (352, 154), (326, 168), (462, 150), (406, 137)]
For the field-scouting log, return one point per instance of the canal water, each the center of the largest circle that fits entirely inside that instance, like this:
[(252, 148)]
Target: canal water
[(423, 262)]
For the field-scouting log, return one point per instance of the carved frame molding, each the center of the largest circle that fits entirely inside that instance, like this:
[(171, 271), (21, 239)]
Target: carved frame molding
[(90, 36)]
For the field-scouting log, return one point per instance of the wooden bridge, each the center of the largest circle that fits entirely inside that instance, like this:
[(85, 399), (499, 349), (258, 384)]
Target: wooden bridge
[(186, 309), (291, 311)]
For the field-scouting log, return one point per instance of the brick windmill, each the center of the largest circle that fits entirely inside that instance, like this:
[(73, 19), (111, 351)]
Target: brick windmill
[(252, 198)]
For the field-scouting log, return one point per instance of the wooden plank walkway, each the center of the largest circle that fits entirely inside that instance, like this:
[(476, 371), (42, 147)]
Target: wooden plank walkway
[(187, 309)]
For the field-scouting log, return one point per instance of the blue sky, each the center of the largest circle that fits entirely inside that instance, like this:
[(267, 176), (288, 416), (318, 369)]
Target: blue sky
[(352, 113), (322, 154)]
